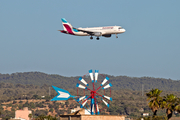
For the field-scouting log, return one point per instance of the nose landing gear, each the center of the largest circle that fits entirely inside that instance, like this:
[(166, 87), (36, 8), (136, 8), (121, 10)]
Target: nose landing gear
[(116, 36)]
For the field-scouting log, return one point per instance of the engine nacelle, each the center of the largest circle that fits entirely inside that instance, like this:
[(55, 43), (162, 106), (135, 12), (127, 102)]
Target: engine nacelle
[(108, 35), (97, 34)]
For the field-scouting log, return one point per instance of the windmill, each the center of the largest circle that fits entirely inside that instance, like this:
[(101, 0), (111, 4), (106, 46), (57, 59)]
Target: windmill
[(94, 94)]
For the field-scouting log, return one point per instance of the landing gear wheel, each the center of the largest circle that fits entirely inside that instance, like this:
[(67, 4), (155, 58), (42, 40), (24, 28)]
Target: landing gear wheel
[(116, 36), (97, 38), (91, 37)]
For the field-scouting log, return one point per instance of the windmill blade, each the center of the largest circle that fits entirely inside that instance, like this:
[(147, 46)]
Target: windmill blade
[(97, 109), (83, 81), (92, 105), (91, 75), (105, 103), (96, 75), (93, 109), (80, 86), (83, 103), (109, 98), (107, 86), (62, 94), (79, 99), (104, 81)]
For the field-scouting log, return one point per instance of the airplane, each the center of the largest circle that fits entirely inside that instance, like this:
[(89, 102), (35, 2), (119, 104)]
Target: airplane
[(106, 31)]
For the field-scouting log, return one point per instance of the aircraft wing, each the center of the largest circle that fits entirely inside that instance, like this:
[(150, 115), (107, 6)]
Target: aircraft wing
[(89, 32)]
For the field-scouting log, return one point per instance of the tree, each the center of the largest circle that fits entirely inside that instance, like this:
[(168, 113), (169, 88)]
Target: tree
[(26, 104), (170, 103), (43, 117), (51, 110), (14, 102), (40, 113), (30, 116), (32, 105), (67, 103), (35, 97), (155, 100), (177, 107)]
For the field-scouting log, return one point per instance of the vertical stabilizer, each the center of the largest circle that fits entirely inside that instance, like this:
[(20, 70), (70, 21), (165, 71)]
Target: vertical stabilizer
[(67, 26)]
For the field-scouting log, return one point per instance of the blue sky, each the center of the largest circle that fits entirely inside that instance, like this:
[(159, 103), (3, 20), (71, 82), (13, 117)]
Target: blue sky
[(29, 40)]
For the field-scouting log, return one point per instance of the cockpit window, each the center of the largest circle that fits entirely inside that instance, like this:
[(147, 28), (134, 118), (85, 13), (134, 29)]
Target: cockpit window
[(120, 28)]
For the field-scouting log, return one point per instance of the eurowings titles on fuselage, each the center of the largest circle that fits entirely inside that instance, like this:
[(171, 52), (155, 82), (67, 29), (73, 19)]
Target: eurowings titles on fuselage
[(106, 31)]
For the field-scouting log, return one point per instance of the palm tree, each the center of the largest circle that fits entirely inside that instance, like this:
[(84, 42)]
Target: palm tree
[(43, 117), (177, 107), (30, 116), (171, 103), (155, 100)]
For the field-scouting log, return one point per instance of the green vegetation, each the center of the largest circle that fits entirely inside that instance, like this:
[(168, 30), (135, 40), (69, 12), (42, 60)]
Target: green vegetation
[(44, 117), (169, 102), (155, 100), (154, 118), (32, 79), (26, 90)]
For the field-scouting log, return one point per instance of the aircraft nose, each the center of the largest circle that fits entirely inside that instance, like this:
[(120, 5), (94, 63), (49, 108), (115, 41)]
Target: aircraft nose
[(123, 30)]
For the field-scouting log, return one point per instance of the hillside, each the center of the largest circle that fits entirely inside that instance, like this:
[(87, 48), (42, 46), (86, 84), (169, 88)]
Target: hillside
[(126, 93), (118, 82)]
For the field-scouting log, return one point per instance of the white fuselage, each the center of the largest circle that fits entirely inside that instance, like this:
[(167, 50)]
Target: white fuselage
[(101, 30)]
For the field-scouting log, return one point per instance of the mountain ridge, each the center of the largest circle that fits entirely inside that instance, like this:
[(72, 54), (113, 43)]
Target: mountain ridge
[(118, 82)]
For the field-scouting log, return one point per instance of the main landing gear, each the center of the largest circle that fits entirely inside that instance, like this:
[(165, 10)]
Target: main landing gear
[(96, 38), (116, 36)]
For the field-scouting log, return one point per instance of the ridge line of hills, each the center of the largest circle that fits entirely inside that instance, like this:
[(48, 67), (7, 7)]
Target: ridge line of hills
[(118, 82)]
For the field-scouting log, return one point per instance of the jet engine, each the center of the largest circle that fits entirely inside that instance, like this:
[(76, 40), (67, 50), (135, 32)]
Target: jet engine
[(97, 34), (107, 35)]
